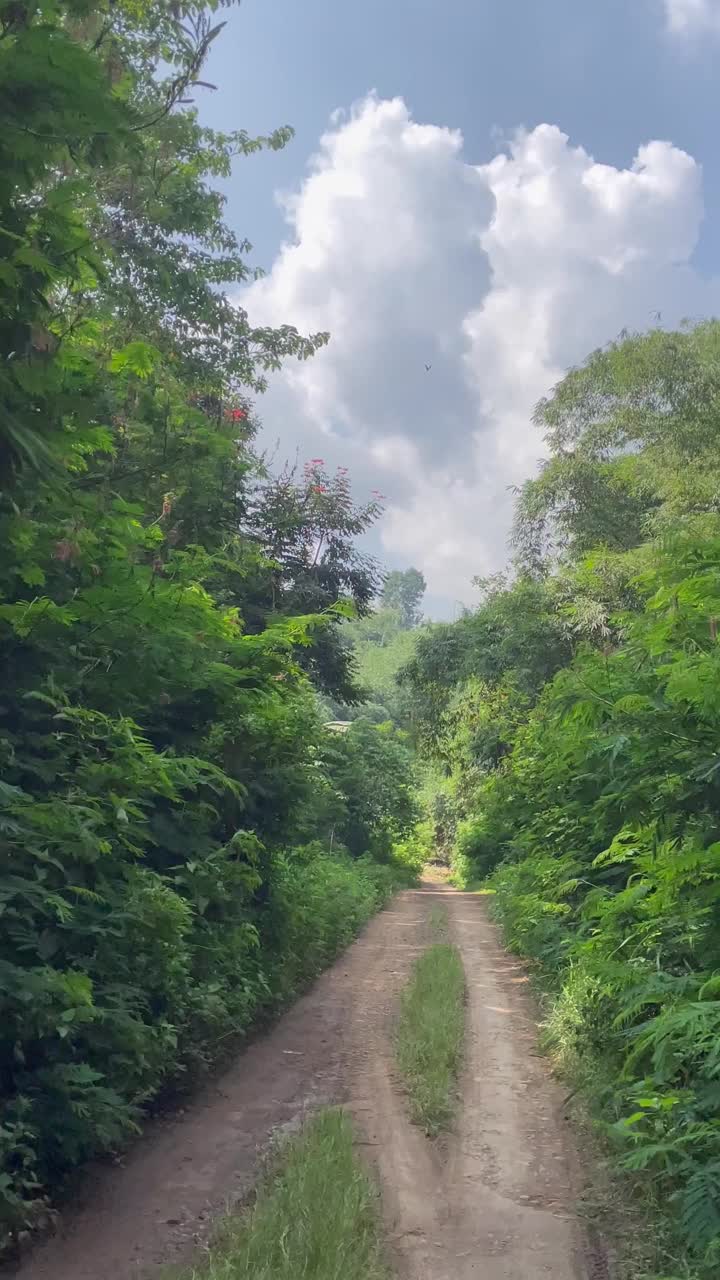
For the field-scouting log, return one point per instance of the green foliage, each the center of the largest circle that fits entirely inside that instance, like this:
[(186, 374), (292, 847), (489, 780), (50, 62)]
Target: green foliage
[(610, 796), (429, 1036), (110, 234), (403, 589), (162, 601), (515, 637), (316, 906), (307, 525), (632, 437), (476, 851), (576, 715), (417, 848), (380, 646), (371, 769), (315, 1215)]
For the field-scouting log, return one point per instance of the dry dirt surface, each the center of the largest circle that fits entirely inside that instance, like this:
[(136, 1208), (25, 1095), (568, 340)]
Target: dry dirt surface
[(497, 1200), (494, 1201)]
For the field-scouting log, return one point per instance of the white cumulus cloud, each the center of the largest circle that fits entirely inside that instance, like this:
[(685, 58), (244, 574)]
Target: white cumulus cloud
[(497, 275), (689, 16)]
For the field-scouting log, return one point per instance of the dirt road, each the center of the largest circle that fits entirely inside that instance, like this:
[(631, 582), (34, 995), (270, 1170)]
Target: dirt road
[(496, 1202)]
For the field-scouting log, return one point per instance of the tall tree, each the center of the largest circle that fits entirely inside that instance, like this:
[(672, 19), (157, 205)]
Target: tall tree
[(403, 589), (306, 523), (632, 435)]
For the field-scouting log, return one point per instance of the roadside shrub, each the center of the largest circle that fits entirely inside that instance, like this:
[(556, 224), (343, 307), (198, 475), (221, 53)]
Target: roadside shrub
[(83, 1054), (314, 909), (475, 852), (416, 849)]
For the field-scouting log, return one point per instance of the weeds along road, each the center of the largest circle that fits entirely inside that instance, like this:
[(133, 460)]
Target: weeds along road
[(495, 1200)]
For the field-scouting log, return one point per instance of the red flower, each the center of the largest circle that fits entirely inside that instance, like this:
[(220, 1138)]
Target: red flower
[(238, 414), (319, 488), (318, 462)]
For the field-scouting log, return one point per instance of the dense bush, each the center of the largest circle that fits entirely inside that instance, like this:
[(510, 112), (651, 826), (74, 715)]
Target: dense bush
[(167, 608), (371, 769), (159, 983), (475, 853), (576, 716), (317, 905), (614, 790), (418, 847)]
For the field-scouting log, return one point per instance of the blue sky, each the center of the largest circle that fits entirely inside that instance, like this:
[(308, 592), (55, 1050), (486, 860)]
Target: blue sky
[(511, 251)]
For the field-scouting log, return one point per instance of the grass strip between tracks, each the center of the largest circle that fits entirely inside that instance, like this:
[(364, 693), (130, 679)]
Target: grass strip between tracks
[(315, 1215), (429, 1036)]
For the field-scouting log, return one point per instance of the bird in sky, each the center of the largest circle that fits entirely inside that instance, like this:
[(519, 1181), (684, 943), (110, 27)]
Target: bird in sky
[(428, 367)]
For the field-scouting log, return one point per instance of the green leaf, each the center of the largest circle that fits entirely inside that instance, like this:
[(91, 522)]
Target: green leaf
[(140, 358)]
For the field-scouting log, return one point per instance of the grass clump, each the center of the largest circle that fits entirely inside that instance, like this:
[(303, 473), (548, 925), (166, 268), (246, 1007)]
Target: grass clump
[(429, 1036), (315, 1216), (439, 923)]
